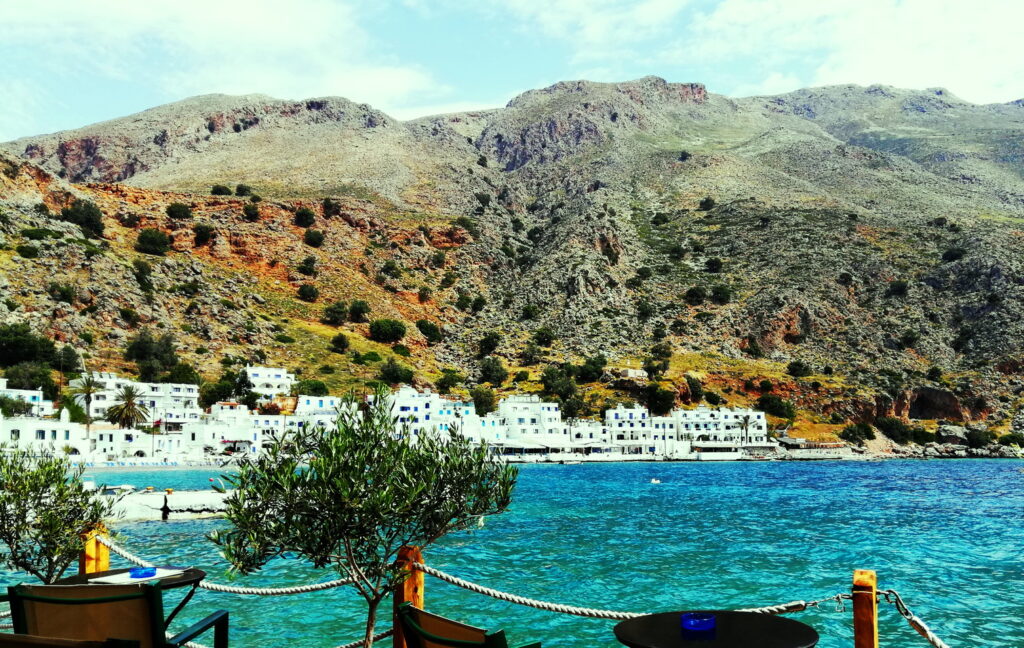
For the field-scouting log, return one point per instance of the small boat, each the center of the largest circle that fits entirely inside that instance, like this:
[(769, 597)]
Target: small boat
[(655, 481), (569, 463)]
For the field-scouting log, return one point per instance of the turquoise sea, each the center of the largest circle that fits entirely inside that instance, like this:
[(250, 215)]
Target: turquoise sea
[(948, 535)]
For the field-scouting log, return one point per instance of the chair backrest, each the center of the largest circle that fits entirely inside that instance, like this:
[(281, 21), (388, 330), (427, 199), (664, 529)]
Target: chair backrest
[(90, 612), (425, 630), (28, 641)]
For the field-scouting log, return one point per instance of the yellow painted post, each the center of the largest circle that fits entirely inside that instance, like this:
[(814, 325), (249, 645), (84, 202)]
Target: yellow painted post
[(410, 590), (95, 556), (865, 609)]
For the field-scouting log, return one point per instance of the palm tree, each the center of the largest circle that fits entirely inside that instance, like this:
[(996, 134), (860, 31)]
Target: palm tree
[(128, 412), (745, 425), (87, 387)]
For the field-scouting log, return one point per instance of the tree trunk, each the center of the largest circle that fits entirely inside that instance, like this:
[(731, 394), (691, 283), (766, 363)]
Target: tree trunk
[(371, 621)]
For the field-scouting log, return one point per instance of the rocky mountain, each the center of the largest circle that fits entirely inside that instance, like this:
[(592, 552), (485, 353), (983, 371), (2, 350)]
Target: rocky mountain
[(872, 235)]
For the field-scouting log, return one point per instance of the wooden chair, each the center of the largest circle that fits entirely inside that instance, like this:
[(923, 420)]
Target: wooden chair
[(132, 612), (425, 630), (28, 641)]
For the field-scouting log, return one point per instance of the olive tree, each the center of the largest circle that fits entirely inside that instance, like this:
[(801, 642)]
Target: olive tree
[(348, 498), (44, 507)]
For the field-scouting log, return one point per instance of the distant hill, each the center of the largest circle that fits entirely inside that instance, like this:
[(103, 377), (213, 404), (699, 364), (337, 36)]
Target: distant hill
[(872, 234)]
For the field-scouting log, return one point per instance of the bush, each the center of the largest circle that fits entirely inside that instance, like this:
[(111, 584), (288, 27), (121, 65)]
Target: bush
[(857, 433), (251, 212), (308, 266), (393, 373), (449, 379), (695, 296), (706, 204), (304, 217), (695, 388), (721, 294), (484, 400), (772, 404), (19, 344), (220, 190), (467, 224), (897, 289), (479, 303), (712, 398), (339, 343), (765, 385), (493, 371), (27, 251), (40, 233), (310, 388), (488, 343), (799, 369), (713, 264), (483, 198), (424, 294), (335, 314), (358, 311), (61, 292), (153, 241), (203, 233), (1014, 438), (402, 350), (243, 190), (284, 338), (86, 215), (658, 400), (387, 330), (521, 376), (953, 254), (544, 336), (391, 269), (179, 211), (645, 309), (530, 312), (432, 332), (902, 433), (313, 238), (979, 438), (45, 507), (308, 292), (31, 375), (845, 279)]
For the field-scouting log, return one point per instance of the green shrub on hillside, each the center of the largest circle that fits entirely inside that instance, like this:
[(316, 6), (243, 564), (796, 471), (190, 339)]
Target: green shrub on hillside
[(27, 251), (493, 371), (307, 266), (358, 311), (251, 212), (857, 433), (431, 331), (393, 373), (86, 215), (203, 233), (308, 292), (387, 330), (179, 211), (304, 217), (153, 241), (339, 343), (220, 190), (313, 238), (335, 314), (772, 404)]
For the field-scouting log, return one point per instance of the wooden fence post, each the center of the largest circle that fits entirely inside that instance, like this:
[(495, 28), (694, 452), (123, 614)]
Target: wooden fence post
[(410, 590), (865, 609), (95, 556)]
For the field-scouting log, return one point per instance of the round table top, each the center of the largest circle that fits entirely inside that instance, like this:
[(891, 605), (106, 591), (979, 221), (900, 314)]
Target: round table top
[(190, 577), (733, 630)]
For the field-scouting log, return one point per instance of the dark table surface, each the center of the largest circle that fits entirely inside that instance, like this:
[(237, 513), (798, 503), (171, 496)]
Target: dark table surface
[(191, 576), (733, 630)]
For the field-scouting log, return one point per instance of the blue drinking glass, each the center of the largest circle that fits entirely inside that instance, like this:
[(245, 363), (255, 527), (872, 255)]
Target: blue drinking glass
[(142, 572), (697, 625)]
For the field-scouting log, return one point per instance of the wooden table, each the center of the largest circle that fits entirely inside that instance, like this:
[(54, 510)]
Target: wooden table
[(732, 630), (192, 577)]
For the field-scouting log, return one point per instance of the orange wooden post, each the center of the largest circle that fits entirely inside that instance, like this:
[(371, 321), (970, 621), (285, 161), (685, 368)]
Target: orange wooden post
[(410, 590), (95, 556), (865, 609)]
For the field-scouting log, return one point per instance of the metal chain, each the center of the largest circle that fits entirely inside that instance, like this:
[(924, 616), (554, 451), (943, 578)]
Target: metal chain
[(892, 596), (230, 589)]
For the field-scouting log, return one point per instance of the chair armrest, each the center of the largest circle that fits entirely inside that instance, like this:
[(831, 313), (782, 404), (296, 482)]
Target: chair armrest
[(218, 620)]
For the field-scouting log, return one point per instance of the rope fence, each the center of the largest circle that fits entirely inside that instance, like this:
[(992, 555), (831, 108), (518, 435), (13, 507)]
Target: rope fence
[(890, 596)]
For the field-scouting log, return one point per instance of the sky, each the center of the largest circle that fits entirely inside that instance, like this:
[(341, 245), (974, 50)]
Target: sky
[(68, 63)]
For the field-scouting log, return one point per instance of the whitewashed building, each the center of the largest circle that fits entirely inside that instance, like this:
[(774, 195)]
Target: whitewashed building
[(34, 397), (164, 402), (270, 381)]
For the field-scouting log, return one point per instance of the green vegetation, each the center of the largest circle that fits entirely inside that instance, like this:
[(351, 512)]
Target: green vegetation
[(203, 233), (339, 343), (857, 433), (308, 292), (393, 373), (657, 399), (310, 388), (544, 336), (128, 410), (31, 375), (382, 493), (45, 507), (488, 343), (902, 433), (179, 211), (27, 251), (430, 331), (313, 238), (220, 190), (358, 310), (799, 369), (86, 215), (772, 404), (307, 266), (19, 344), (335, 314), (493, 371), (387, 330), (251, 212), (304, 217), (153, 241), (243, 190), (484, 400), (450, 379)]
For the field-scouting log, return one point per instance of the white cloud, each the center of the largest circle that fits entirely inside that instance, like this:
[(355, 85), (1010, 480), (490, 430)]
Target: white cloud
[(292, 50), (599, 29), (962, 45)]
